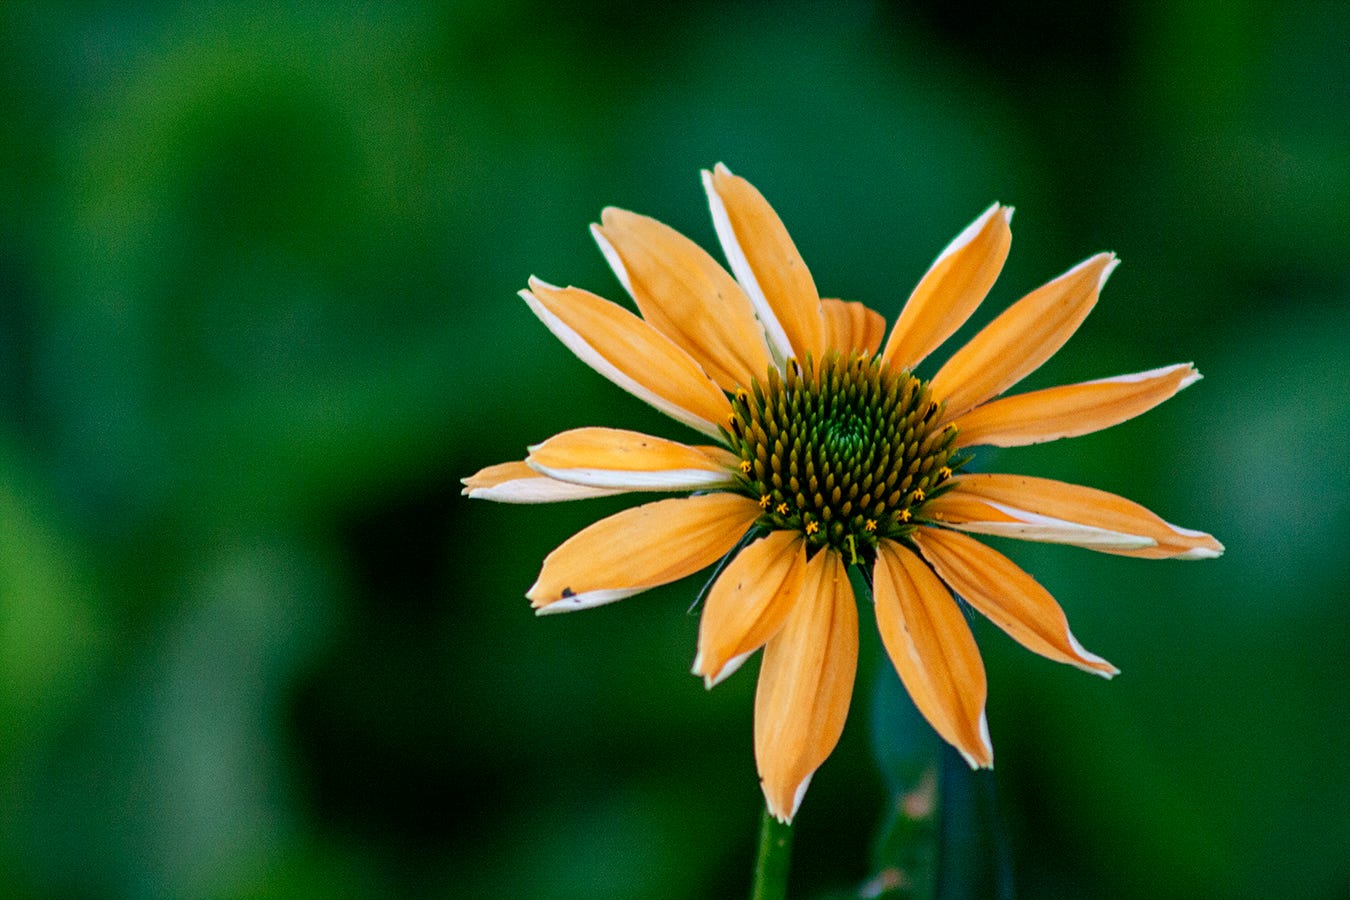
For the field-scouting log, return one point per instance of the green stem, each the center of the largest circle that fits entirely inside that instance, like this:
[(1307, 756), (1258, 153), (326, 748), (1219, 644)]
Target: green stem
[(775, 856)]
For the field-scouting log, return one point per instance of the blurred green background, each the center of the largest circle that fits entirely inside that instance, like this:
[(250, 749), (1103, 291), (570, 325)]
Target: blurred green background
[(257, 318)]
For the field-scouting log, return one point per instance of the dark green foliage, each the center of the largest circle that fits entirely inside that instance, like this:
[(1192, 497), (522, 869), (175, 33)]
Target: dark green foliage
[(258, 266)]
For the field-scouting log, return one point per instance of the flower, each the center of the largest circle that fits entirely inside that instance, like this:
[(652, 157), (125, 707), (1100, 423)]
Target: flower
[(830, 453)]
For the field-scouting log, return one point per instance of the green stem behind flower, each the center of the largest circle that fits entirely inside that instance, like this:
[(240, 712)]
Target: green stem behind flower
[(773, 860)]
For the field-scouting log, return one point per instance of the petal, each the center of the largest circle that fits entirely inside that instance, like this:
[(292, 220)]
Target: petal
[(852, 326), (630, 353), (515, 482), (1007, 596), (748, 603), (805, 684), (991, 499), (685, 295), (1072, 409), (953, 287), (966, 512), (640, 548), (613, 458), (934, 652), (768, 266), (1025, 335)]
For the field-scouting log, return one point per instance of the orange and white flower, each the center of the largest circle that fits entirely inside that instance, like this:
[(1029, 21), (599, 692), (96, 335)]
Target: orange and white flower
[(829, 453)]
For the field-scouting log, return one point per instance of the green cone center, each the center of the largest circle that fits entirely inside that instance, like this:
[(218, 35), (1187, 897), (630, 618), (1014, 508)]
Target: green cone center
[(846, 451)]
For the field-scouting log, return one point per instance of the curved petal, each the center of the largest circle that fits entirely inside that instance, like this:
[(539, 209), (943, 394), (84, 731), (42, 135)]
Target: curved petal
[(1007, 596), (1072, 409), (747, 605), (996, 503), (684, 294), (630, 353), (640, 548), (768, 266), (928, 640), (1025, 335), (950, 291), (629, 460), (851, 326), (966, 512), (805, 684), (515, 482)]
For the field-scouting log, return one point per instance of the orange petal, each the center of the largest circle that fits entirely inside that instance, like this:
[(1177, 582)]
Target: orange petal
[(805, 684), (1007, 596), (686, 296), (768, 266), (515, 482), (629, 460), (1072, 409), (932, 648), (953, 287), (748, 603), (630, 353), (1025, 335), (966, 512), (998, 504), (640, 548), (851, 326)]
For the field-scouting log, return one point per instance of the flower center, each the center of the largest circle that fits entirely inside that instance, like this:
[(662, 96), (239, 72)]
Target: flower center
[(846, 452)]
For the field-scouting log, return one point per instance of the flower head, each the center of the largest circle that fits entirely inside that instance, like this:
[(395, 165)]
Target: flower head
[(830, 452)]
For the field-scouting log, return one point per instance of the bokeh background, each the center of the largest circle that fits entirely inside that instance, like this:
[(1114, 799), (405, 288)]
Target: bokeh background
[(257, 317)]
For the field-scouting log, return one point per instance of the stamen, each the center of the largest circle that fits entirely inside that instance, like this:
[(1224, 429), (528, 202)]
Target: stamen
[(845, 450)]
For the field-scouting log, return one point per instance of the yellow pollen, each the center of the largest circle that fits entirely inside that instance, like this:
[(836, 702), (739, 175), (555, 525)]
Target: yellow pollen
[(781, 509), (918, 495), (904, 515), (944, 473), (812, 527), (745, 467), (870, 525), (764, 501)]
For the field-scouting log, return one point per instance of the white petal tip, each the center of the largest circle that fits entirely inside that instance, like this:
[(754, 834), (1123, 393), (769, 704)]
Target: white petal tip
[(697, 669), (797, 798), (969, 233), (1091, 662), (974, 761), (713, 679), (1107, 270), (586, 600), (786, 816), (1213, 552), (1190, 379), (612, 257), (558, 606)]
